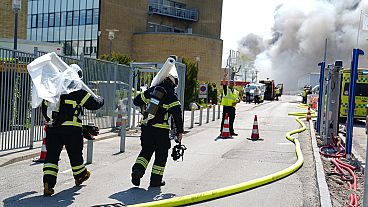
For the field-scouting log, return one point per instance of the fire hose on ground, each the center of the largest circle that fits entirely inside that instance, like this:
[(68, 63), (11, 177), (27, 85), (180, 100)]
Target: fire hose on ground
[(335, 151), (226, 191)]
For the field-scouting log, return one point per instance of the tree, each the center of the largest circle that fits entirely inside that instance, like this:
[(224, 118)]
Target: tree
[(121, 58), (191, 84), (212, 92)]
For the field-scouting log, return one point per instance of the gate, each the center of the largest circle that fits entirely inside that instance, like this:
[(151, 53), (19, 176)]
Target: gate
[(140, 78)]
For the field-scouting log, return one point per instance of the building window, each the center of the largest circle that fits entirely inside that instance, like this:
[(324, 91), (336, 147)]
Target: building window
[(63, 19), (34, 21), (57, 19), (68, 48), (95, 16), (51, 19), (69, 18), (87, 47), (76, 18), (82, 18), (39, 20), (45, 20), (89, 16)]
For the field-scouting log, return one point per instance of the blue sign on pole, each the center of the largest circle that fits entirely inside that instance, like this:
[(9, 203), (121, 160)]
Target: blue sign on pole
[(320, 96), (351, 103)]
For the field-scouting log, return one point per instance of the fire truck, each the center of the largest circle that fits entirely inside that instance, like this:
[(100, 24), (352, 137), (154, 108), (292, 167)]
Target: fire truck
[(270, 89)]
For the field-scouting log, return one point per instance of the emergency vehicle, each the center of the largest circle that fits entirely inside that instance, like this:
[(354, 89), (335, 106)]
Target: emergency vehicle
[(270, 89), (361, 93)]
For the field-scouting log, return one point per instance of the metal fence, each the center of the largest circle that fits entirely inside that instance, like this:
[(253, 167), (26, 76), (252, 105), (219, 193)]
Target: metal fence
[(140, 78), (20, 125)]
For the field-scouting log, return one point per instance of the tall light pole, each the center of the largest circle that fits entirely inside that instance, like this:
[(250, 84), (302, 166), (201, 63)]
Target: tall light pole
[(111, 36), (197, 59), (17, 6)]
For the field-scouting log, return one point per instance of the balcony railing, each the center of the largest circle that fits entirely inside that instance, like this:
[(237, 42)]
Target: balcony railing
[(187, 14)]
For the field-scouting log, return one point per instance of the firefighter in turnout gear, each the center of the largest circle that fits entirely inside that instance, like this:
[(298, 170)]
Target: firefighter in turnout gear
[(230, 97), (160, 102), (65, 129)]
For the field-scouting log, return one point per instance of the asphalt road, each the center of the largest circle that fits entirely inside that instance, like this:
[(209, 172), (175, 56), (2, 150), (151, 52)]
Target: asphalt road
[(209, 163)]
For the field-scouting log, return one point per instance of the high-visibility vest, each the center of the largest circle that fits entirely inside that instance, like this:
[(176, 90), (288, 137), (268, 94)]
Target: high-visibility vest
[(230, 98), (277, 90)]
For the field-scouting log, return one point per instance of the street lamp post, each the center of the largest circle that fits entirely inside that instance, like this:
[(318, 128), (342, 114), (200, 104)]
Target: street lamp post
[(197, 59), (17, 6), (111, 36)]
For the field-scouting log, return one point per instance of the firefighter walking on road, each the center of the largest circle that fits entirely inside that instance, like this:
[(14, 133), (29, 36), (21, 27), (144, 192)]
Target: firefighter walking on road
[(65, 129), (230, 97), (157, 104)]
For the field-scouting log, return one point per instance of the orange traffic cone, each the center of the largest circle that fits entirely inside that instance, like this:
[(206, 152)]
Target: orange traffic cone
[(309, 114), (255, 132), (43, 149), (225, 130)]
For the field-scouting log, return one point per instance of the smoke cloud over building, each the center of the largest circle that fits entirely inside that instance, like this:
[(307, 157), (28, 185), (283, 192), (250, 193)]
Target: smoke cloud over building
[(298, 39)]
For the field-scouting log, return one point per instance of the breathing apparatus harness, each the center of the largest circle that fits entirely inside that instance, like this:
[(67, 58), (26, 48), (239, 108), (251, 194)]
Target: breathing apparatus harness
[(157, 95)]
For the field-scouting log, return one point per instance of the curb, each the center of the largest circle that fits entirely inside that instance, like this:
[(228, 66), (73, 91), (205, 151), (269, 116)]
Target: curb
[(324, 193)]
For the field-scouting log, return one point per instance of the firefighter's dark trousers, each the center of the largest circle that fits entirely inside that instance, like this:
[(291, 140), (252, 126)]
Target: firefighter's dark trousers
[(57, 137), (231, 113), (153, 140)]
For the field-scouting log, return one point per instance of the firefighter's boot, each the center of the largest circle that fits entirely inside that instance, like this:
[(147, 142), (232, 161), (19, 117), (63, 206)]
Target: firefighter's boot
[(136, 177), (80, 180), (157, 183), (47, 190)]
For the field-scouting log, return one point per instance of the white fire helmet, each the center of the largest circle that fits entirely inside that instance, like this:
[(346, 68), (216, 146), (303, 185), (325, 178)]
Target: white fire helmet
[(78, 70), (173, 76)]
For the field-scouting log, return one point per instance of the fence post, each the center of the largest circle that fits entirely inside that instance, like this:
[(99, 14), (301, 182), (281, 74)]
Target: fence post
[(123, 134), (200, 115), (192, 118), (219, 111), (90, 147), (208, 114), (213, 112), (31, 141)]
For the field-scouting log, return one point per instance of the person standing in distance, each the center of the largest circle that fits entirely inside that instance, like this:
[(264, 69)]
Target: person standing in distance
[(155, 131), (64, 128), (230, 97)]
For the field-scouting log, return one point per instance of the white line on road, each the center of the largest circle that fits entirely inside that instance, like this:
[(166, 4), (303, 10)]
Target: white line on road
[(65, 171)]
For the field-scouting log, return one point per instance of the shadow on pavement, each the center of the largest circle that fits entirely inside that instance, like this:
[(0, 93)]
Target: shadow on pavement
[(140, 195), (223, 138), (63, 198)]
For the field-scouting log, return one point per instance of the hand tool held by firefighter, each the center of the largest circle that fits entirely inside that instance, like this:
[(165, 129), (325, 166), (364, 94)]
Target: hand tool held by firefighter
[(157, 95), (90, 131), (178, 151)]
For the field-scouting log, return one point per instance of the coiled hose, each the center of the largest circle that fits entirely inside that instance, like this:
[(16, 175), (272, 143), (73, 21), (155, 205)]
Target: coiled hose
[(342, 169), (221, 192)]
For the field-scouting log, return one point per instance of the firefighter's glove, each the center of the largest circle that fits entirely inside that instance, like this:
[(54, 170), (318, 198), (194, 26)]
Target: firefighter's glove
[(90, 131)]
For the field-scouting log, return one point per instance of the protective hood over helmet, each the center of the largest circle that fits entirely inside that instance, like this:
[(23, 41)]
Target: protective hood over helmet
[(78, 70), (167, 68)]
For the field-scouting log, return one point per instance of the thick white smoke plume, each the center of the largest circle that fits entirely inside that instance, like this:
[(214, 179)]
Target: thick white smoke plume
[(299, 33)]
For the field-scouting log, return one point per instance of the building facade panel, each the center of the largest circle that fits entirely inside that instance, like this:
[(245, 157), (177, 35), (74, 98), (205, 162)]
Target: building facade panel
[(7, 20), (210, 14), (156, 47), (69, 22), (128, 17)]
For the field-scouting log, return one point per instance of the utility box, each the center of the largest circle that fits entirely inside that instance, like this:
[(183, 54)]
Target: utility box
[(333, 99)]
